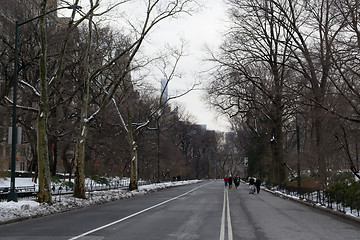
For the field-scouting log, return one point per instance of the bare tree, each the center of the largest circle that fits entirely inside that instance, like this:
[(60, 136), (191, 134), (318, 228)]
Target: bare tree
[(133, 128), (348, 140), (44, 194), (346, 61), (155, 13), (253, 64), (312, 54)]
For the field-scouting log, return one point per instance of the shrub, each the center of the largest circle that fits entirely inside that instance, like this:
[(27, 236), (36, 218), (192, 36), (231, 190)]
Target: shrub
[(343, 189), (55, 179), (4, 174), (69, 185), (101, 180)]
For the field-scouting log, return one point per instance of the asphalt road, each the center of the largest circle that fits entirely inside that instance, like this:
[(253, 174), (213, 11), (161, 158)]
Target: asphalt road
[(200, 211)]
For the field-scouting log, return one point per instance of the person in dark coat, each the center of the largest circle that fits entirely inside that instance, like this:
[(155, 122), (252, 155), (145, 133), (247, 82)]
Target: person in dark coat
[(230, 182), (258, 184), (236, 181), (251, 181)]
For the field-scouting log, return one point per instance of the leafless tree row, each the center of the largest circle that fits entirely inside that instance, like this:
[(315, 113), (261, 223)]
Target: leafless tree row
[(80, 104), (292, 61)]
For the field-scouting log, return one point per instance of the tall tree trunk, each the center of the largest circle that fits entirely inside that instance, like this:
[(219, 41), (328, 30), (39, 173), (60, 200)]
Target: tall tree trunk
[(79, 186), (133, 150), (133, 171), (278, 134), (322, 171), (54, 157), (44, 194), (277, 153)]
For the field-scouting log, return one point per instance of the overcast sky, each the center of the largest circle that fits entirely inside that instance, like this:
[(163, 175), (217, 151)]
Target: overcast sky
[(205, 28)]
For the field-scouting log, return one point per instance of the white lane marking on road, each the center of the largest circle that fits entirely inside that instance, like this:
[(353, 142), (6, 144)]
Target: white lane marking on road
[(135, 214), (226, 211), (222, 229), (230, 234)]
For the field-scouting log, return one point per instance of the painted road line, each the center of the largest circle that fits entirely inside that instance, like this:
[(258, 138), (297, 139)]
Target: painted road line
[(226, 216), (222, 228), (135, 214), (230, 234)]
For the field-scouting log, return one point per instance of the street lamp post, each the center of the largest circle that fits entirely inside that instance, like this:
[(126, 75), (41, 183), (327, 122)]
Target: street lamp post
[(298, 154), (12, 196)]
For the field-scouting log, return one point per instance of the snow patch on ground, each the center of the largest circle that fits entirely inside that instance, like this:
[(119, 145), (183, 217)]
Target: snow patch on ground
[(29, 208), (347, 211)]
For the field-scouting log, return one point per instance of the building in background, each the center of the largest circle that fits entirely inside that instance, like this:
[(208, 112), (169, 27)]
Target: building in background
[(164, 91)]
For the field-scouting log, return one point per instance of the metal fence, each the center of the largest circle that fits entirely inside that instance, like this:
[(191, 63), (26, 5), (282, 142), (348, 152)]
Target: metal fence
[(337, 201), (31, 191), (22, 192)]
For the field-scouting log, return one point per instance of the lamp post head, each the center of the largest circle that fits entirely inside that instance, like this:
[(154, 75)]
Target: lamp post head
[(74, 7)]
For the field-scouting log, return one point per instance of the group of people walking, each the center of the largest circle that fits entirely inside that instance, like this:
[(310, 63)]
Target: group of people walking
[(229, 181), (254, 183)]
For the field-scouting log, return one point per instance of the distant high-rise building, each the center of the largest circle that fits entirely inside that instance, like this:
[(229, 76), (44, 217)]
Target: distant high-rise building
[(164, 91), (203, 127)]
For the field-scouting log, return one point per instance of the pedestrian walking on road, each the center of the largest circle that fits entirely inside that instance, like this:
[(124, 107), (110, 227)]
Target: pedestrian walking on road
[(251, 185), (226, 181), (230, 182), (258, 184), (236, 181)]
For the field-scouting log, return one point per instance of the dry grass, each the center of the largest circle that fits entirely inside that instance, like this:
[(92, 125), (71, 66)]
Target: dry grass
[(308, 182)]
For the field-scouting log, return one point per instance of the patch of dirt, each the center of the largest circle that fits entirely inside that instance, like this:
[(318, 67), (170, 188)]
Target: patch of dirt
[(309, 182)]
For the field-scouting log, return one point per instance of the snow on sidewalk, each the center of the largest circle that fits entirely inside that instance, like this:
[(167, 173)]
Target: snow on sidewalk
[(29, 208)]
